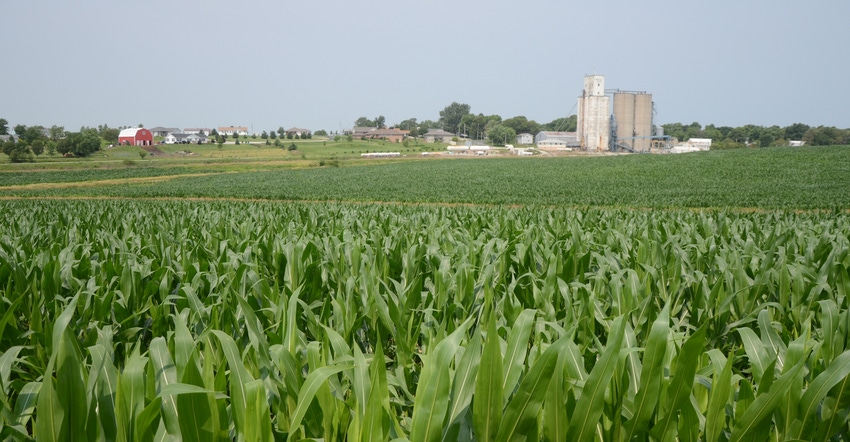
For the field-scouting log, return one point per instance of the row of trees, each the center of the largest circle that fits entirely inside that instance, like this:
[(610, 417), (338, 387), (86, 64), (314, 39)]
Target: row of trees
[(29, 142), (457, 118), (759, 136)]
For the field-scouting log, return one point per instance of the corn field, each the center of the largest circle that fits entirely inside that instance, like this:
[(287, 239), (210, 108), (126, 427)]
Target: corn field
[(128, 320)]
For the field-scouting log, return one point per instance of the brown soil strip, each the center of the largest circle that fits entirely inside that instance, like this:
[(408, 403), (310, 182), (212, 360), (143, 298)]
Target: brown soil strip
[(96, 183)]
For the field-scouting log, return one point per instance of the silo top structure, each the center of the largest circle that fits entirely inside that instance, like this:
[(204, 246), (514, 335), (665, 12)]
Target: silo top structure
[(593, 115)]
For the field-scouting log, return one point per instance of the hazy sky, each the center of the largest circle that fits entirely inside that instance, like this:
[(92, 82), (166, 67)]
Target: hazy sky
[(322, 64)]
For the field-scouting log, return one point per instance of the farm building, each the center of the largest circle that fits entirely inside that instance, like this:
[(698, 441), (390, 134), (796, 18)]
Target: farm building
[(525, 138), (438, 136), (137, 136), (552, 143), (392, 134), (569, 138)]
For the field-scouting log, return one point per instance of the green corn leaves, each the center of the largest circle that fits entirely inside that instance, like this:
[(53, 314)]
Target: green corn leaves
[(189, 320)]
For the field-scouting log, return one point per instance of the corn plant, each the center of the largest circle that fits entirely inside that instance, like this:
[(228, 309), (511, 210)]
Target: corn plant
[(168, 320)]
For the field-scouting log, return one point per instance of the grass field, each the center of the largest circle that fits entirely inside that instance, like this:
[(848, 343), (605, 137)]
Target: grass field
[(501, 299)]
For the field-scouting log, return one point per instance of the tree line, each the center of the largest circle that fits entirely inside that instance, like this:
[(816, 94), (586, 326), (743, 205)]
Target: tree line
[(727, 137), (458, 119), (30, 142)]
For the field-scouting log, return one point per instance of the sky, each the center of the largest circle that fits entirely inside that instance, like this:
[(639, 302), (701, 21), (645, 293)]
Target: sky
[(321, 64)]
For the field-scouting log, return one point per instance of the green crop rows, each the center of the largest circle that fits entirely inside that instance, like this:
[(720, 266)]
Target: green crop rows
[(811, 178), (167, 320)]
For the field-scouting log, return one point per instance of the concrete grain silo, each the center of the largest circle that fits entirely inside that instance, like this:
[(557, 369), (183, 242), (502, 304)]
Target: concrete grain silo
[(593, 115), (633, 113)]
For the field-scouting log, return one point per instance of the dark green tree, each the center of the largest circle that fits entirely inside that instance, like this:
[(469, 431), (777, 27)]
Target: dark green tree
[(4, 127), (264, 135), (500, 135), (380, 122), (796, 131), (521, 124), (80, 144), (452, 115), (272, 135), (37, 147), (364, 122)]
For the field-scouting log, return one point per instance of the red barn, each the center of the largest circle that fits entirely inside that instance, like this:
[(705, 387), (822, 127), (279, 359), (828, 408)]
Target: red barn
[(136, 137)]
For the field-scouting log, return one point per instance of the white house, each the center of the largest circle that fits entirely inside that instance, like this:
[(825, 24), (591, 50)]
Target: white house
[(232, 130), (525, 138)]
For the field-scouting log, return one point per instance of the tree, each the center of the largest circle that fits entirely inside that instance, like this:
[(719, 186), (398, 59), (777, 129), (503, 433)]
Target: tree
[(4, 127), (475, 126), (289, 136), (213, 133), (451, 116), (51, 148), (57, 132), (264, 135), (796, 131), (21, 153), (500, 135), (37, 147), (380, 122), (110, 135), (272, 135), (409, 125), (8, 147), (364, 122), (281, 132), (20, 130), (80, 144), (322, 133), (521, 125)]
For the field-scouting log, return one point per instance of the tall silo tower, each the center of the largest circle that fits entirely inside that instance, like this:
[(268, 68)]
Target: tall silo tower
[(593, 114), (633, 112)]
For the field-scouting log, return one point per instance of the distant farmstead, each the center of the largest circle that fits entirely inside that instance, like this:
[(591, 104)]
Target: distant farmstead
[(135, 137)]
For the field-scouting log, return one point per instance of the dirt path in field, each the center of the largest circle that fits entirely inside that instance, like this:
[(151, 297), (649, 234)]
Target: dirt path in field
[(96, 183)]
